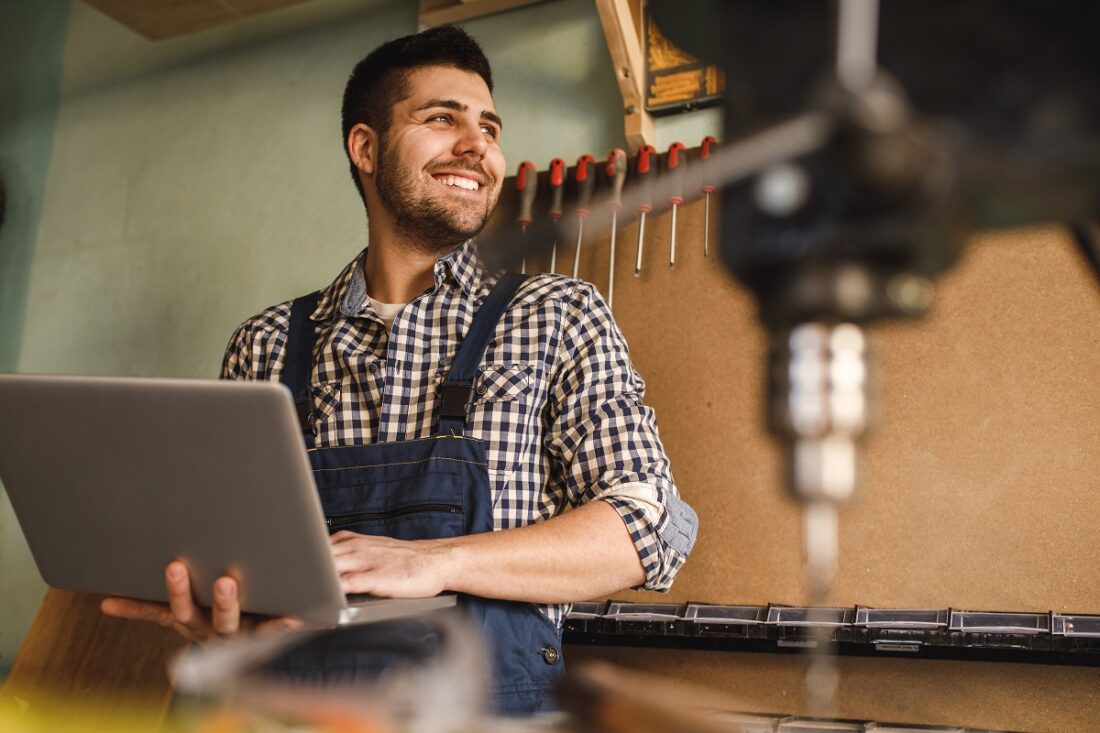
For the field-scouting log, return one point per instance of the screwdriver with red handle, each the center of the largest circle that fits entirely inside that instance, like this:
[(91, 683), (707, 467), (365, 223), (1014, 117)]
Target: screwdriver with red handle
[(527, 183), (557, 191), (709, 144), (584, 175), (616, 175), (644, 167), (674, 166)]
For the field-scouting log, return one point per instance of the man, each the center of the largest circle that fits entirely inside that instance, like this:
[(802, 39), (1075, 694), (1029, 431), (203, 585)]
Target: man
[(529, 420)]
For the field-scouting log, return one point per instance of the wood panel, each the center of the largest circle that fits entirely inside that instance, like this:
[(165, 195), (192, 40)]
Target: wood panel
[(75, 656)]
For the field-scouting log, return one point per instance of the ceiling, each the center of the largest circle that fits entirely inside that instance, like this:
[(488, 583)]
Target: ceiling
[(160, 19)]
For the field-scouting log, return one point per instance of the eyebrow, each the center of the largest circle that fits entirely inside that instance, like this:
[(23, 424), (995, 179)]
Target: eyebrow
[(460, 107)]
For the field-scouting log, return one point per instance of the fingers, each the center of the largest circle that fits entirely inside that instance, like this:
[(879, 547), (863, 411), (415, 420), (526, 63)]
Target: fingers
[(352, 557), (226, 610), (346, 543), (179, 596), (191, 622), (351, 562), (358, 582), (282, 623), (137, 611), (343, 540)]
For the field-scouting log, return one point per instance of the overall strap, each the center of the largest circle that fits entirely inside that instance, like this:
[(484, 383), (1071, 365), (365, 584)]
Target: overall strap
[(458, 388), (298, 356)]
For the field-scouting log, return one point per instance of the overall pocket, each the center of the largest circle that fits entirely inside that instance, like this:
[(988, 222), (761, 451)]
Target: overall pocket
[(503, 413), (422, 506), (413, 521)]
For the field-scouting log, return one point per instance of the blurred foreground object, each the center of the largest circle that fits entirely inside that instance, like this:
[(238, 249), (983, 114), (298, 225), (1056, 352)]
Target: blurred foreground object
[(430, 674), (609, 699), (938, 122)]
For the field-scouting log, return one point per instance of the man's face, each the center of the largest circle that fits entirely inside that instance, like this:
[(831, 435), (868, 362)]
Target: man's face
[(439, 166)]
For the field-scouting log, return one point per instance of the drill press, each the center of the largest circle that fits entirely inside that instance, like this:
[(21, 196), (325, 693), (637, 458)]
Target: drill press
[(933, 123)]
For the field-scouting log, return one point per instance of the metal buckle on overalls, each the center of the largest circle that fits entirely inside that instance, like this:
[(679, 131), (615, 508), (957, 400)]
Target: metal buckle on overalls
[(455, 399), (304, 406)]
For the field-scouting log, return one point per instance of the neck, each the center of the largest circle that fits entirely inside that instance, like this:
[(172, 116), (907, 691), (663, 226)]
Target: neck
[(397, 271)]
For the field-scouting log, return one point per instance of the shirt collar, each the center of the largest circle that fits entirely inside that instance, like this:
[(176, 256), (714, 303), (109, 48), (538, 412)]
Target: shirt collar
[(335, 296), (347, 293), (464, 266)]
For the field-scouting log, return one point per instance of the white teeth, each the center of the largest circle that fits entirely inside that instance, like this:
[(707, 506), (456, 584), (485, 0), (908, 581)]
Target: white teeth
[(460, 182)]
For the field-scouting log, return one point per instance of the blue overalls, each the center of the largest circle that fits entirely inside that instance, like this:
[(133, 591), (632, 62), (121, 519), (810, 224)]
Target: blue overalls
[(423, 489)]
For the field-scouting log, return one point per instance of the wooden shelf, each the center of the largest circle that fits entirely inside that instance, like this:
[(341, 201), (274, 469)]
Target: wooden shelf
[(440, 12), (158, 19)]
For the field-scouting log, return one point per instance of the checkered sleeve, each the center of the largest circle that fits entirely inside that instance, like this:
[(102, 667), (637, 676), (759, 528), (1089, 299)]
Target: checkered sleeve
[(255, 350), (237, 362), (605, 440)]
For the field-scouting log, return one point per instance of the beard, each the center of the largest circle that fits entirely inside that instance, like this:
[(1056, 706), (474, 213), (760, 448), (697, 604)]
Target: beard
[(431, 226)]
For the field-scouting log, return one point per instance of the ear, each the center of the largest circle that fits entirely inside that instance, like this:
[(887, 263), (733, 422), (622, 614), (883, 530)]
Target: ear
[(362, 145)]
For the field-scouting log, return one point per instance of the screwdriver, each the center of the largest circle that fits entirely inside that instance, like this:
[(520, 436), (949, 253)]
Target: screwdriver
[(557, 188), (709, 143), (673, 164), (527, 183), (616, 174), (584, 175), (643, 167)]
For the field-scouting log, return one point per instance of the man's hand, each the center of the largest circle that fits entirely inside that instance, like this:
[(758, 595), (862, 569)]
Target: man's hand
[(191, 622), (387, 567), (584, 553)]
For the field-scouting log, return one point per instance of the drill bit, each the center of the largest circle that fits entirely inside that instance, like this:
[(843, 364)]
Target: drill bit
[(819, 388)]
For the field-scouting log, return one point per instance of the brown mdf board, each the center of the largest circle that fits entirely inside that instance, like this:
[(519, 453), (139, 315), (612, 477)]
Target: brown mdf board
[(76, 659), (980, 482)]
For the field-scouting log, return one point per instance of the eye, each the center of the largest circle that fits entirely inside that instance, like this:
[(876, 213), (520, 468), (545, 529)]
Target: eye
[(491, 131)]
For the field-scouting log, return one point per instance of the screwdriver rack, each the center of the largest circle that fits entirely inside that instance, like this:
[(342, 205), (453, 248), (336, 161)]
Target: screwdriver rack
[(579, 198), (1043, 638)]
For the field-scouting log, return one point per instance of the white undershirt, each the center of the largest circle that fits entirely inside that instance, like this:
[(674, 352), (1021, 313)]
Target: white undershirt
[(386, 311)]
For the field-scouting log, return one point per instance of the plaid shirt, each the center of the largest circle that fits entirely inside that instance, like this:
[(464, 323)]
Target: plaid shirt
[(557, 402)]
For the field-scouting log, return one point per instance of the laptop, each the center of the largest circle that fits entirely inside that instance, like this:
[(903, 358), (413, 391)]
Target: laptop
[(111, 478)]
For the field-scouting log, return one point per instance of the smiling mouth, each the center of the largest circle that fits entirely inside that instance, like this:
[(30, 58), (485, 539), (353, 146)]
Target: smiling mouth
[(466, 184)]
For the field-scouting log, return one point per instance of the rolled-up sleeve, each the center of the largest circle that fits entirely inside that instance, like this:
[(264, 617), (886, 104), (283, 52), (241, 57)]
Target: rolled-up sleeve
[(605, 439)]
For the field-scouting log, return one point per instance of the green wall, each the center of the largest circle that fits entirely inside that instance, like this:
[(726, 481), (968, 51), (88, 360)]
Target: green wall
[(32, 39), (195, 181)]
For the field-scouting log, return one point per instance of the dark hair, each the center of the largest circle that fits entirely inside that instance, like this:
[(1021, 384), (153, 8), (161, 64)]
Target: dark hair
[(380, 79)]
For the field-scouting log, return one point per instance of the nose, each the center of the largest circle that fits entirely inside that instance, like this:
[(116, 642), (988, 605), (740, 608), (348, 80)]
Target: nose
[(471, 140)]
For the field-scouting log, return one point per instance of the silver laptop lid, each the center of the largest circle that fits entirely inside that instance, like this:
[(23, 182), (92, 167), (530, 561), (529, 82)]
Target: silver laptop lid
[(111, 478)]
